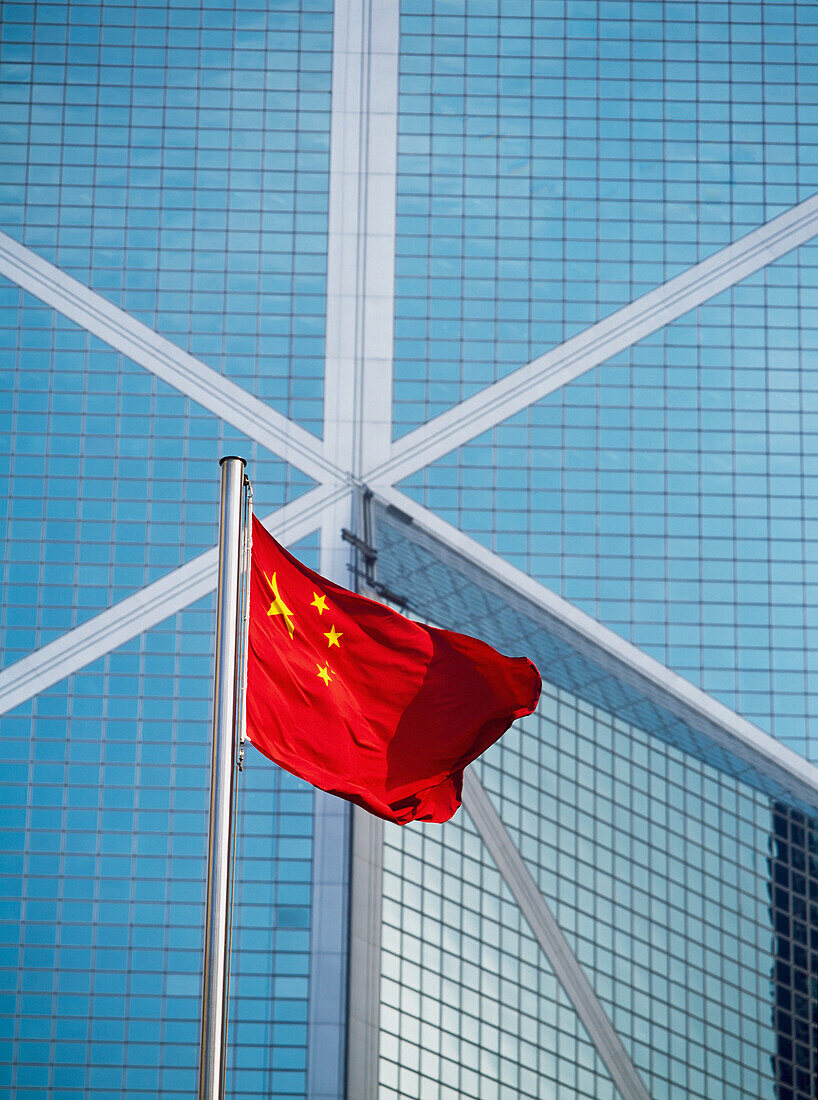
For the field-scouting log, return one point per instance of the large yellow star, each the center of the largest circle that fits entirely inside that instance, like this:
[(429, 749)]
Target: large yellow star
[(324, 673), (320, 602), (333, 636), (278, 607)]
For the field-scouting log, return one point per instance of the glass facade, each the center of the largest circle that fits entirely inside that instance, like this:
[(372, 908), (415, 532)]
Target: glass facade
[(641, 888), (687, 893), (667, 493), (646, 519), (109, 476), (469, 1008), (105, 828), (176, 158), (557, 160)]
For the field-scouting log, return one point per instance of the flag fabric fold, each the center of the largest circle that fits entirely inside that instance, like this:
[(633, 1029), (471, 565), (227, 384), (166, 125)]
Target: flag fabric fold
[(366, 703)]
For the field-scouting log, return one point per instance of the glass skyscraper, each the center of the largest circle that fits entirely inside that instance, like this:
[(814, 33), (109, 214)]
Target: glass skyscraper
[(522, 293)]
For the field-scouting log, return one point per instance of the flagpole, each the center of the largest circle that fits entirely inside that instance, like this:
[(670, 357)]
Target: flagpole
[(217, 922)]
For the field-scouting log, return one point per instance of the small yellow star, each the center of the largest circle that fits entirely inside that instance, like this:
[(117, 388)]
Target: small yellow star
[(320, 602), (278, 607), (333, 636), (324, 673)]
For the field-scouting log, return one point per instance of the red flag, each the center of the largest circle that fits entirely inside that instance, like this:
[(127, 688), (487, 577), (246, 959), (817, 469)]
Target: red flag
[(365, 703)]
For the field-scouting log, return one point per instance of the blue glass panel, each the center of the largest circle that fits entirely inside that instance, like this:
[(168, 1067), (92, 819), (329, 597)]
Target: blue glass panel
[(557, 160), (176, 159), (684, 890), (111, 477), (670, 493), (104, 784)]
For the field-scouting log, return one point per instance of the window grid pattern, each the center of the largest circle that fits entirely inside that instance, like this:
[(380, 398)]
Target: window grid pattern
[(105, 781), (668, 494), (175, 158), (657, 868), (794, 894), (469, 1005), (555, 162), (558, 160), (111, 479), (657, 862)]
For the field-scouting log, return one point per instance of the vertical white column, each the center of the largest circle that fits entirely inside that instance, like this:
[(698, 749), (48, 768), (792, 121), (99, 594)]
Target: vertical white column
[(380, 151), (361, 254), (357, 435)]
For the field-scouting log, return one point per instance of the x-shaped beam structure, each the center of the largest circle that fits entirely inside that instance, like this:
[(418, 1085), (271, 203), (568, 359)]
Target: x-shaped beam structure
[(357, 446)]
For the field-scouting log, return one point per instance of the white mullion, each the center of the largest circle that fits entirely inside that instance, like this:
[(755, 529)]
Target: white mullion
[(378, 276), (205, 386), (343, 301), (361, 238), (596, 344), (143, 610), (343, 1013)]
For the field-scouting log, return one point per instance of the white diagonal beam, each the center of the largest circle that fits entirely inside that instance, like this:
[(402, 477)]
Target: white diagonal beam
[(144, 609), (551, 939), (163, 358), (756, 751), (598, 343)]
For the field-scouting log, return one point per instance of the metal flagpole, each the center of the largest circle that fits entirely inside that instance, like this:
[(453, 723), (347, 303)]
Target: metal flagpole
[(219, 879)]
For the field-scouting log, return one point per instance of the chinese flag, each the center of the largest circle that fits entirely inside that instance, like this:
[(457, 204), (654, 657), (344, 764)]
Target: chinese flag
[(365, 703)]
